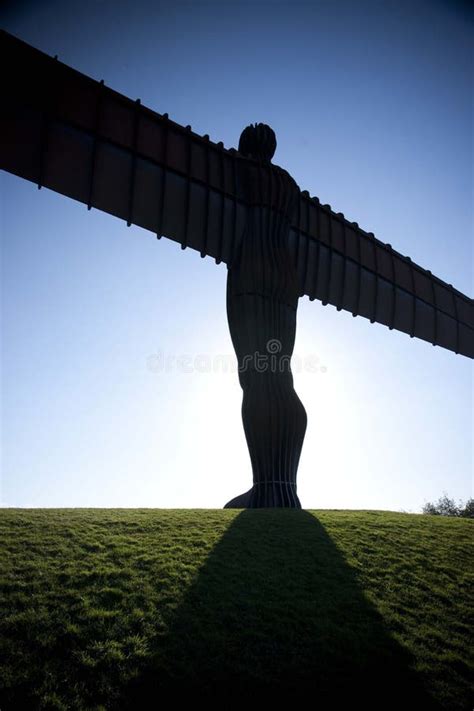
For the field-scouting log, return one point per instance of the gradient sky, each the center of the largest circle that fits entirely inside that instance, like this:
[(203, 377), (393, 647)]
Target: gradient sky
[(371, 103)]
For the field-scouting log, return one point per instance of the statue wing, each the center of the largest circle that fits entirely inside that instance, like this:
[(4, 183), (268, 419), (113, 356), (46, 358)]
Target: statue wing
[(341, 264), (67, 132)]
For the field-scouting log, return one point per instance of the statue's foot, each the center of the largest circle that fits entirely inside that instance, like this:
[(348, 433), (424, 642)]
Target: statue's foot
[(240, 502)]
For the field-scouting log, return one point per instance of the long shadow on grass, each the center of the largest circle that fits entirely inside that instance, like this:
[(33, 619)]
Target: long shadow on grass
[(277, 613)]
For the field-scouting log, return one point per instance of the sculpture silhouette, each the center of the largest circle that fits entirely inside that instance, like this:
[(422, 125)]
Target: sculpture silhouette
[(262, 301), (69, 133)]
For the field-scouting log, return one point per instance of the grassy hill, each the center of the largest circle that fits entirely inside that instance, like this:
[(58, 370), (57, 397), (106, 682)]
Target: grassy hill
[(106, 608)]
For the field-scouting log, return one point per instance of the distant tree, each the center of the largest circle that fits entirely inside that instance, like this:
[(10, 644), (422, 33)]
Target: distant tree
[(468, 511), (430, 509), (448, 507)]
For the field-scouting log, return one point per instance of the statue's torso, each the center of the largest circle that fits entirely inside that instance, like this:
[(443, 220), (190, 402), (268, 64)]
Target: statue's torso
[(263, 264)]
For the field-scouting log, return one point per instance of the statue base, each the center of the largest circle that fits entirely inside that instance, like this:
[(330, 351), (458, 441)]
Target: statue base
[(267, 494)]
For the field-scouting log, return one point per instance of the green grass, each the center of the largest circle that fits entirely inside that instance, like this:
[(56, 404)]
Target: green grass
[(105, 608)]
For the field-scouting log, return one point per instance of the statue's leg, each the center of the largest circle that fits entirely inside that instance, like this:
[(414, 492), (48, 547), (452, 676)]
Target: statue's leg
[(273, 416), (275, 425)]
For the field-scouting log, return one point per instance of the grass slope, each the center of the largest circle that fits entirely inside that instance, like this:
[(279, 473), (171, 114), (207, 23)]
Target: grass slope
[(104, 608)]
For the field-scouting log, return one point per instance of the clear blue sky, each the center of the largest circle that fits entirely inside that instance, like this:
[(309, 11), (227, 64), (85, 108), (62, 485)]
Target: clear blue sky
[(372, 106)]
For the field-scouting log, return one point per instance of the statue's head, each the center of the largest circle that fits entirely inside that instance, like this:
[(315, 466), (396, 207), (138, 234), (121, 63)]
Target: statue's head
[(258, 141)]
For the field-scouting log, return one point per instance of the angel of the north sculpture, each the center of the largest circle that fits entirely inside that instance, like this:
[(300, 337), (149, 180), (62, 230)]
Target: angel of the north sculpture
[(74, 135)]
